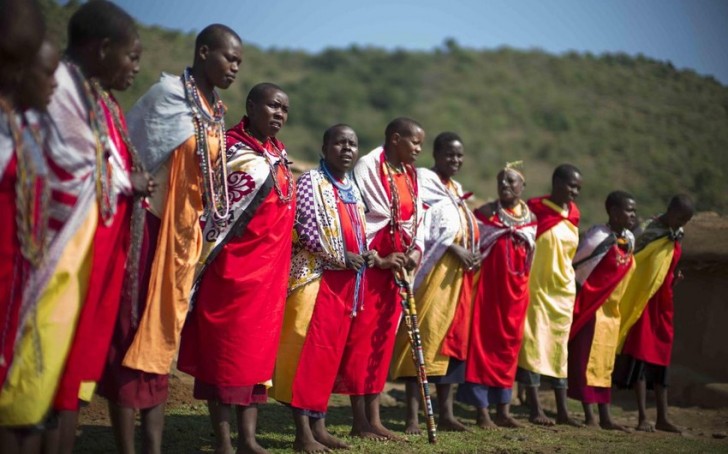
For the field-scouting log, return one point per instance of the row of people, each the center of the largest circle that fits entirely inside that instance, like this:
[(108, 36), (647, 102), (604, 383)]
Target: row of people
[(175, 234)]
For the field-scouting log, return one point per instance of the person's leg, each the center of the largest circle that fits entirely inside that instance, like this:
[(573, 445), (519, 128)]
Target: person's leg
[(412, 396), (447, 422), (521, 395), (122, 424), (67, 423), (372, 402), (323, 436), (605, 419), (482, 418), (643, 423), (221, 416), (247, 424), (20, 441), (589, 419), (152, 429), (562, 411), (663, 423), (360, 427), (503, 417), (305, 441), (536, 413)]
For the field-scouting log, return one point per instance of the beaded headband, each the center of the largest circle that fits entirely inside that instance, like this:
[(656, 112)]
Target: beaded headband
[(516, 167)]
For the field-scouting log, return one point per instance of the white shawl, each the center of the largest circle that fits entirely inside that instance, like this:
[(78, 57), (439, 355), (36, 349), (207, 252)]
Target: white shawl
[(441, 222), (378, 213)]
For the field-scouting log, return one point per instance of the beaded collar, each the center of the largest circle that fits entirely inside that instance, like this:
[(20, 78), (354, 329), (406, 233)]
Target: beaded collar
[(345, 188), (283, 198), (214, 175), (511, 220)]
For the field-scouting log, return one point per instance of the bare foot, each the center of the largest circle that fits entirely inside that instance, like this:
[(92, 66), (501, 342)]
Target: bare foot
[(542, 420), (667, 426), (591, 423), (645, 426), (388, 434), (611, 425), (507, 421), (330, 441), (250, 447), (412, 428), (310, 447), (568, 421), (451, 425), (225, 449), (366, 432)]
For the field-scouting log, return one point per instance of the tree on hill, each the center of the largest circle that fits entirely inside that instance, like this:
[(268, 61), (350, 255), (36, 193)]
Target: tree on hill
[(629, 122)]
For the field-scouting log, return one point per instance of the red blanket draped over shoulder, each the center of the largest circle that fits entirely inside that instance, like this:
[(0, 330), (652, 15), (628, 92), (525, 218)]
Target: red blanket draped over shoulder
[(12, 267), (547, 217), (499, 310), (370, 345), (230, 339), (650, 339), (99, 311), (597, 288)]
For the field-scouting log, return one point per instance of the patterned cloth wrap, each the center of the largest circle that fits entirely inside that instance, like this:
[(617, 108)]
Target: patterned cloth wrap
[(248, 172), (318, 242)]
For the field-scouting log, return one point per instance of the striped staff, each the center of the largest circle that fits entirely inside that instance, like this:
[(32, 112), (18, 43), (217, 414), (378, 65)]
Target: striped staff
[(413, 330)]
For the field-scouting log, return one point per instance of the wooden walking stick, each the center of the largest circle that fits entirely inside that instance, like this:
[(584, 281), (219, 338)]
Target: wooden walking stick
[(413, 330)]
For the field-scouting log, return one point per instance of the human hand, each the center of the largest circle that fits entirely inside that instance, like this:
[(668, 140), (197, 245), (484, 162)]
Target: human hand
[(142, 183), (413, 258), (394, 261), (469, 259), (354, 261)]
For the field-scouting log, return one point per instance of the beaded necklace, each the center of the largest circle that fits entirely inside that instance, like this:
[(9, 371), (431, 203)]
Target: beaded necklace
[(346, 188), (105, 98), (286, 199), (131, 272), (30, 166), (217, 201), (395, 222), (106, 200), (512, 222), (348, 197)]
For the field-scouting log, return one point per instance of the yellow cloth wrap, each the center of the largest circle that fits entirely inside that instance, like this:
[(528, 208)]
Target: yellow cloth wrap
[(30, 387), (435, 300), (552, 289), (299, 310), (653, 263), (86, 392), (600, 365)]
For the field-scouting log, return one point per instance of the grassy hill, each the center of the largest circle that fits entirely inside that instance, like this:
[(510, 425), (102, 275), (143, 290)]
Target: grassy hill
[(629, 123)]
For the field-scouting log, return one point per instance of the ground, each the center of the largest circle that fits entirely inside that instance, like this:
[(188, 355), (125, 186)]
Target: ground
[(188, 429), (699, 377)]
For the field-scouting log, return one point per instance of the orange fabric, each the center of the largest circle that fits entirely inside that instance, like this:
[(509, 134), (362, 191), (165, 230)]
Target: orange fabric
[(178, 250)]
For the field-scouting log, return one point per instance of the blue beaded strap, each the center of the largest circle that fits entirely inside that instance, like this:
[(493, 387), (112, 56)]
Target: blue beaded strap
[(346, 190)]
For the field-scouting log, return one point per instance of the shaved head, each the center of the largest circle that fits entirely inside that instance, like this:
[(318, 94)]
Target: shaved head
[(403, 126), (97, 20), (215, 36), (259, 91), (23, 30)]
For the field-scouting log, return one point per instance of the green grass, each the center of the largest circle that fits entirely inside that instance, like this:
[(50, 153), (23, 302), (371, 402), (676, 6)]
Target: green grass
[(188, 431)]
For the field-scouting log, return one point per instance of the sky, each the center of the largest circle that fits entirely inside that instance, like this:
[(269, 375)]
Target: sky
[(689, 33)]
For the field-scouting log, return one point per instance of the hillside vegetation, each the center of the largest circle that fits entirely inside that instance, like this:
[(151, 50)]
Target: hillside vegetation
[(628, 122)]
